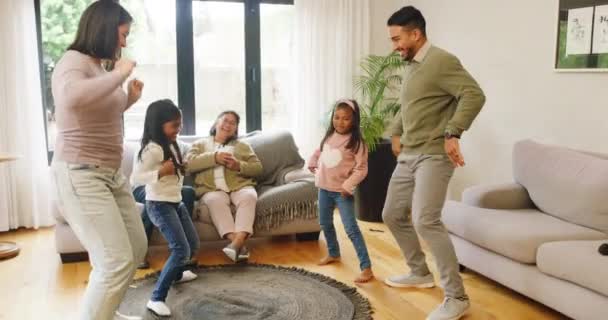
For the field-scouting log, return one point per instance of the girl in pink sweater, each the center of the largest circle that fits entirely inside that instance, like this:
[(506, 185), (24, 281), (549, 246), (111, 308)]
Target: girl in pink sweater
[(339, 165)]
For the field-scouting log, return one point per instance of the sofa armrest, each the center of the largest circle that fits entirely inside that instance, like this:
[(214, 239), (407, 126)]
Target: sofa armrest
[(498, 196), (298, 175), (284, 203)]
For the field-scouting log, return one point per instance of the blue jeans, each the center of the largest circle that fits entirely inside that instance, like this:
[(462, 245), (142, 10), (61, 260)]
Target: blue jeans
[(174, 222), (328, 200), (139, 193)]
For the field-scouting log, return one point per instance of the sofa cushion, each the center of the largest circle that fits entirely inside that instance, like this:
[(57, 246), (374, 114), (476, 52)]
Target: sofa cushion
[(299, 175), (516, 234), (278, 153), (568, 184), (575, 261), (65, 239), (498, 196), (55, 207), (130, 151)]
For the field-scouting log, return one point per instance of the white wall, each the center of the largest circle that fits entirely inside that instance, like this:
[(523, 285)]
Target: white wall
[(380, 11), (508, 46)]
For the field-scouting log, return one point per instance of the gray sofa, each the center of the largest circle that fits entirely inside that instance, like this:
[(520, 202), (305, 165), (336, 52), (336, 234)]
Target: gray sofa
[(278, 211), (540, 235)]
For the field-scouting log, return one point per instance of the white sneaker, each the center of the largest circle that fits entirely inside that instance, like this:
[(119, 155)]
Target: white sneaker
[(159, 308), (187, 276), (231, 252), (450, 309), (410, 281)]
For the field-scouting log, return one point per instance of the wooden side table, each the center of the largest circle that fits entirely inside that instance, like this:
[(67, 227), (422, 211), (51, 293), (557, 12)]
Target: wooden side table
[(8, 249)]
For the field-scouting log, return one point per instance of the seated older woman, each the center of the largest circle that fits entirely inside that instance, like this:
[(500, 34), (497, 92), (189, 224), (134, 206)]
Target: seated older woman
[(224, 168)]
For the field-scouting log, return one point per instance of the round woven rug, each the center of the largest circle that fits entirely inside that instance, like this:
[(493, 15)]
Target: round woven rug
[(252, 292)]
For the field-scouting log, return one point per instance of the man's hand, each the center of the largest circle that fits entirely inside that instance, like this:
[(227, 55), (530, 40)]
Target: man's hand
[(312, 169), (452, 148), (396, 145)]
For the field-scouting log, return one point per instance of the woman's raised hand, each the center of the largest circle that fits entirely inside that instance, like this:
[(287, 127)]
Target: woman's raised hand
[(134, 90), (125, 66)]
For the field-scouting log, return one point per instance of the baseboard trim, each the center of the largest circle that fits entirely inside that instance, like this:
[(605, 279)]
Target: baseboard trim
[(74, 257)]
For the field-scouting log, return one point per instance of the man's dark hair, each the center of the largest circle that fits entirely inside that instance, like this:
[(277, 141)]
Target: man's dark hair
[(408, 17)]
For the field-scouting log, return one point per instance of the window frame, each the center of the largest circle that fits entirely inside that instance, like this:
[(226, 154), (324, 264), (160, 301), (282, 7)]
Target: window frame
[(43, 86)]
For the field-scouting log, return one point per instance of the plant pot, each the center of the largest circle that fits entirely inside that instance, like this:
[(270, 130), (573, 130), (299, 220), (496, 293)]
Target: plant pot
[(371, 193)]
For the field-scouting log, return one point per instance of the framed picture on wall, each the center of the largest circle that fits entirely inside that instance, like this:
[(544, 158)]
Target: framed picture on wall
[(582, 36)]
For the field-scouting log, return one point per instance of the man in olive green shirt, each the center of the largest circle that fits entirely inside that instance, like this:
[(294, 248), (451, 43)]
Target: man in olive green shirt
[(439, 101)]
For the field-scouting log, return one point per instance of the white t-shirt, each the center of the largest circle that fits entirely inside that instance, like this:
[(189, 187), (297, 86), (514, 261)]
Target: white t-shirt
[(183, 147), (219, 171), (145, 172)]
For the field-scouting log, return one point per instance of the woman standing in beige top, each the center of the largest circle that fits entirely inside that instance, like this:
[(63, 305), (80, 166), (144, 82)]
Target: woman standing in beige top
[(92, 192)]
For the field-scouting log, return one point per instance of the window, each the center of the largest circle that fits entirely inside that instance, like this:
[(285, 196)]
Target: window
[(152, 45), (207, 56), (276, 31), (219, 60), (58, 22)]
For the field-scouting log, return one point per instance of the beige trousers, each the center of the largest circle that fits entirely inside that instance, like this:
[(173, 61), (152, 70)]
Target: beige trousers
[(219, 202), (98, 205)]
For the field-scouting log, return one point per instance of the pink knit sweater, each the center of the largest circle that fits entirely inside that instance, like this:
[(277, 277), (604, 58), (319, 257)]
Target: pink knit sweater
[(338, 168)]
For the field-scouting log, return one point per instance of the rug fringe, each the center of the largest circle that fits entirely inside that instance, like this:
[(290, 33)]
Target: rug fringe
[(363, 308)]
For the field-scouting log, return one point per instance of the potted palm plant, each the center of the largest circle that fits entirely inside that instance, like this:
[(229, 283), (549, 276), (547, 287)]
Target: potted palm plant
[(377, 90)]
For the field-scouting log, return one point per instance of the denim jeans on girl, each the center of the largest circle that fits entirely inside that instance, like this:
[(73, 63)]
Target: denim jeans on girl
[(328, 200), (174, 222), (139, 193)]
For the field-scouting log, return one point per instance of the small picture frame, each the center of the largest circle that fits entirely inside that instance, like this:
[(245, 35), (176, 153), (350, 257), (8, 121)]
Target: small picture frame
[(582, 36)]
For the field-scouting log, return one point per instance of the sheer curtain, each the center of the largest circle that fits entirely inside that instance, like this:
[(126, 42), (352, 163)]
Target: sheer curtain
[(23, 183), (331, 37)]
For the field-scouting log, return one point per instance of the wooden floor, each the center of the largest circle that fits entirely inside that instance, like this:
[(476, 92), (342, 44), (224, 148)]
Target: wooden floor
[(35, 285)]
